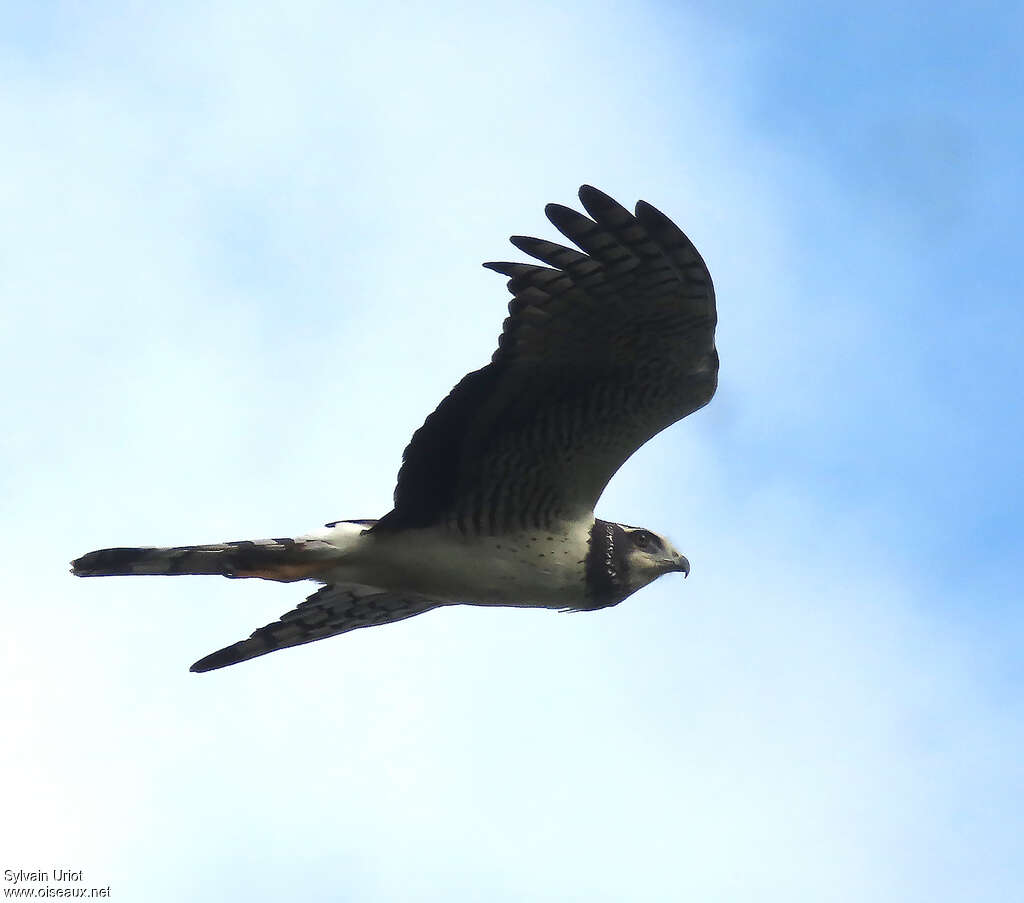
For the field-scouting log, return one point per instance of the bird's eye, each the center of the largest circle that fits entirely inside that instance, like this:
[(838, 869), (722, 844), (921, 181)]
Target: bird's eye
[(642, 539)]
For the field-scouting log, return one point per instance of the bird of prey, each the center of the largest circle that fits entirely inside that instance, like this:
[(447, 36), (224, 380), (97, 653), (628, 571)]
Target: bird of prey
[(603, 348)]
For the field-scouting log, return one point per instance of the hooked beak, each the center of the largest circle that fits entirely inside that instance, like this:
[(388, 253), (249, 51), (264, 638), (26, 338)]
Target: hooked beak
[(682, 565)]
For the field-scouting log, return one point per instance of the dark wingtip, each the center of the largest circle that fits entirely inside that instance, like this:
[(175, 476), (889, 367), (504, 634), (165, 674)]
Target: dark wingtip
[(519, 240), (605, 209), (238, 652), (104, 562), (80, 566), (230, 655), (590, 194), (649, 212)]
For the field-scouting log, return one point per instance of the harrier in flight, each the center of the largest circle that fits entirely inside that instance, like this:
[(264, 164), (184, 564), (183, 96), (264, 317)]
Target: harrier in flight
[(603, 348)]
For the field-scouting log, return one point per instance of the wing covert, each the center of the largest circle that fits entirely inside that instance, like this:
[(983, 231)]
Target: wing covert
[(337, 608), (603, 348)]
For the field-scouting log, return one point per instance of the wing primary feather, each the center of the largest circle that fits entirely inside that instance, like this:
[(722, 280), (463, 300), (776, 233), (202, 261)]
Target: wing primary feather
[(603, 348), (599, 240), (556, 255), (516, 270), (604, 209), (331, 610), (679, 251)]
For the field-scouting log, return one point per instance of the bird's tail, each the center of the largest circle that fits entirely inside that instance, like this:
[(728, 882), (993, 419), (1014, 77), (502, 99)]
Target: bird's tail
[(271, 559)]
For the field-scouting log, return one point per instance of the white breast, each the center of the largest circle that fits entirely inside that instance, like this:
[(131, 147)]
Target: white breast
[(543, 569)]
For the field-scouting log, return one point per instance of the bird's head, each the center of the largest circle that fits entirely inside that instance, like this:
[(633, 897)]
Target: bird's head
[(623, 559), (647, 555)]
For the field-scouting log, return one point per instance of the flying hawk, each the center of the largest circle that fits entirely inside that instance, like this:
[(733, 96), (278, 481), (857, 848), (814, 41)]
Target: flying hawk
[(495, 498)]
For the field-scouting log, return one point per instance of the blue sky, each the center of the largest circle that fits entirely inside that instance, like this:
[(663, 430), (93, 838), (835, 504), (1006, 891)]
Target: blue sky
[(240, 264)]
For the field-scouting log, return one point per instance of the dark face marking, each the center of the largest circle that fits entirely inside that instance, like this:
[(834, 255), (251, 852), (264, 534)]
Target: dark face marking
[(606, 567), (646, 541)]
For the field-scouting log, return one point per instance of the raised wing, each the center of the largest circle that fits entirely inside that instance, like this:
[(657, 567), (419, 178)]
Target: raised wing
[(334, 609), (601, 351)]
